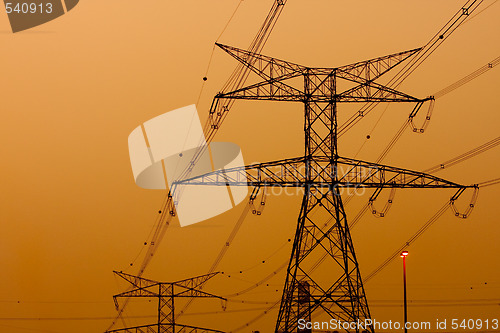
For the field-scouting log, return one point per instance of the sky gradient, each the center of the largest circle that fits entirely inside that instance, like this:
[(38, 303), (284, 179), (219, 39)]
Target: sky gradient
[(74, 88)]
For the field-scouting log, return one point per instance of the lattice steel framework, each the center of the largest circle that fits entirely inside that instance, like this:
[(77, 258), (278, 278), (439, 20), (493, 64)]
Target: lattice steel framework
[(165, 292), (322, 225)]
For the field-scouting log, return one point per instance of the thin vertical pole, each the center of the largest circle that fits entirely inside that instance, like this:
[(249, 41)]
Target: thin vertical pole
[(404, 286)]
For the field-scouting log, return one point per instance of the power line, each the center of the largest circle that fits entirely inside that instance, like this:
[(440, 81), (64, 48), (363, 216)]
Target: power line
[(489, 182), (460, 16), (28, 329), (480, 71), (409, 122), (465, 156), (413, 238)]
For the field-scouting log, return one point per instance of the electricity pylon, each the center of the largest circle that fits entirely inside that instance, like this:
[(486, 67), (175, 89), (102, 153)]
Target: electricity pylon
[(322, 229), (166, 293)]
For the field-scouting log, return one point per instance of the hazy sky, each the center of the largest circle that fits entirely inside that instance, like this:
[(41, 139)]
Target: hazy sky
[(73, 89)]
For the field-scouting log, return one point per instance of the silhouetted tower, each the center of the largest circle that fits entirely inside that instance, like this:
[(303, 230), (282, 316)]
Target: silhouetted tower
[(166, 293), (322, 234)]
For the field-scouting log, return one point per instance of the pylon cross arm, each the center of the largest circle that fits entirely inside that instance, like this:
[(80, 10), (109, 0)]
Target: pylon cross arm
[(320, 172), (195, 282), (280, 90), (190, 292), (269, 90), (269, 68), (154, 329), (374, 68), (264, 66), (136, 329), (149, 288), (374, 92), (357, 173), (136, 281), (139, 292)]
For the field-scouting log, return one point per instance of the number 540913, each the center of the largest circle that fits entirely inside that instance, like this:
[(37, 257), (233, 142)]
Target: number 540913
[(476, 324), (28, 8)]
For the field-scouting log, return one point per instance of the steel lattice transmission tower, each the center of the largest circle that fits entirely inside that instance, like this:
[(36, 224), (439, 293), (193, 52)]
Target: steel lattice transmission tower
[(166, 293), (322, 230)]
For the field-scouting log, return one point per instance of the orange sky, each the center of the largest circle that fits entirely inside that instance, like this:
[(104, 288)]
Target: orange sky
[(74, 88)]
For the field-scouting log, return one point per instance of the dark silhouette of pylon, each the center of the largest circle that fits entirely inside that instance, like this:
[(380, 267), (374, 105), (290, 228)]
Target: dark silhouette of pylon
[(322, 234), (166, 293)]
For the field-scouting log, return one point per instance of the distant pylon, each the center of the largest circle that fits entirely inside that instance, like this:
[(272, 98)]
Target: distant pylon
[(166, 292)]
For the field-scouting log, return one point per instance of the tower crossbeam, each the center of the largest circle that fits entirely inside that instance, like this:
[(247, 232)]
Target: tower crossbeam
[(349, 173)]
